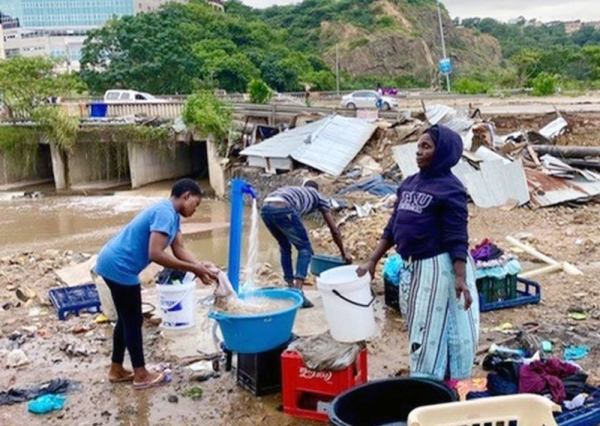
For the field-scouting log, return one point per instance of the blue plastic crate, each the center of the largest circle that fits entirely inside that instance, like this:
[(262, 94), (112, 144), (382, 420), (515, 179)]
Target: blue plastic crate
[(528, 292), (588, 415), (75, 299)]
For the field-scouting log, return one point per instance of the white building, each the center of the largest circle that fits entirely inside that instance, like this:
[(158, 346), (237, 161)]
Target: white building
[(58, 28)]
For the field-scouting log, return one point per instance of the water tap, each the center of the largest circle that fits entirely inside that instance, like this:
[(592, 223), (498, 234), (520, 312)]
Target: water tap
[(248, 189)]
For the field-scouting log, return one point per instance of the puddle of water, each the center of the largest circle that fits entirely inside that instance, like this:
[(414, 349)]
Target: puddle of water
[(85, 223)]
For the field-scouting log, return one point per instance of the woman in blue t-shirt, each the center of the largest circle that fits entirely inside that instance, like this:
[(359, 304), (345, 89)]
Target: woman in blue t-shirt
[(128, 253)]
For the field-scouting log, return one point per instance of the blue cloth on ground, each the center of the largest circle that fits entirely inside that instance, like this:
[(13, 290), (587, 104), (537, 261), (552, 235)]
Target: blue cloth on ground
[(574, 353), (375, 185), (47, 403)]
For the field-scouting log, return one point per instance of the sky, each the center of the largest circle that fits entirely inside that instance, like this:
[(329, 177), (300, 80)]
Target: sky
[(544, 10)]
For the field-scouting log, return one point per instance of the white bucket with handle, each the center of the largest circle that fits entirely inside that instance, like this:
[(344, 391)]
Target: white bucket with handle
[(177, 304), (348, 302)]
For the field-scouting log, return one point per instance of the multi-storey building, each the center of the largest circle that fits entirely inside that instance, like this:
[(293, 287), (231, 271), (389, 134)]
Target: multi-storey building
[(58, 28)]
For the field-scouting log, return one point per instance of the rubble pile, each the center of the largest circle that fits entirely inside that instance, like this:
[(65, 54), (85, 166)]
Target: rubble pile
[(23, 272), (360, 235)]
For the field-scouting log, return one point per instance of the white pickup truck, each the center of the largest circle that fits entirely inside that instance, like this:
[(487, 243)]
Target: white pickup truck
[(130, 96)]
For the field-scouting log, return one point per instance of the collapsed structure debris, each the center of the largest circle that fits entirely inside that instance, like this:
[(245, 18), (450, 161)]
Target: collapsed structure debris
[(521, 168)]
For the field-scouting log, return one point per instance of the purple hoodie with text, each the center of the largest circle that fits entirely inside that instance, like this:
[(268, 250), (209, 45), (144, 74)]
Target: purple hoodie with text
[(431, 215)]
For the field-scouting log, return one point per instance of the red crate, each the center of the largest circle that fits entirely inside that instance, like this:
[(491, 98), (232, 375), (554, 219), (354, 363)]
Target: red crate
[(307, 393)]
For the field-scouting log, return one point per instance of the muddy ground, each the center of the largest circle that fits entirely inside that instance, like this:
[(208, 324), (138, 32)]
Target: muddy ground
[(79, 348)]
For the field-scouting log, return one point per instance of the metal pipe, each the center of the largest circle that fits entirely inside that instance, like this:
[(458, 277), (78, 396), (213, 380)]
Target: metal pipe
[(238, 189), (443, 43)]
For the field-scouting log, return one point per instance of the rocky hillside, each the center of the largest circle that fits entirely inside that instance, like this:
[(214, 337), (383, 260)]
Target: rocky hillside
[(385, 38), (410, 44)]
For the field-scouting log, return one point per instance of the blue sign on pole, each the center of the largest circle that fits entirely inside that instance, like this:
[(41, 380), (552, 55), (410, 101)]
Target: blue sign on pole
[(445, 66)]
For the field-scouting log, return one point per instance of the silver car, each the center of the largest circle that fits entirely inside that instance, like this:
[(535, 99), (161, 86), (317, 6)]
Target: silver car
[(367, 99)]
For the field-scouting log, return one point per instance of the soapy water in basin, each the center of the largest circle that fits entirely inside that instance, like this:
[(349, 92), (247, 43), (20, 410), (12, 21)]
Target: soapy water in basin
[(251, 306)]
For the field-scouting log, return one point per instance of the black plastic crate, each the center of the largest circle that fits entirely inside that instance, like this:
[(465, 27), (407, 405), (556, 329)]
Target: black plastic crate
[(260, 373), (392, 295), (494, 290)]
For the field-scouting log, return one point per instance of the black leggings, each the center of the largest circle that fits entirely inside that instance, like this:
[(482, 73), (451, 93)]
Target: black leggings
[(128, 331)]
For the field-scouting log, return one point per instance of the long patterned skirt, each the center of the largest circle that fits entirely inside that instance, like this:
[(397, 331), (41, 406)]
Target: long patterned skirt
[(443, 336)]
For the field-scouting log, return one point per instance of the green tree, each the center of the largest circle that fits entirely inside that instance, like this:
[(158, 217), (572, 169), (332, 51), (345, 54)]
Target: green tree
[(226, 69), (320, 80), (527, 63), (592, 56), (185, 46), (544, 84), (149, 52), (469, 86), (207, 114), (28, 82), (25, 86), (277, 75), (259, 92)]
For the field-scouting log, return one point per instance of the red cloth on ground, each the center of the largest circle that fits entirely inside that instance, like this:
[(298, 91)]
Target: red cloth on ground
[(539, 376)]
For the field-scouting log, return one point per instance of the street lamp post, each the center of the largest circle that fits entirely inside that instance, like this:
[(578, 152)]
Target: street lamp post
[(443, 43)]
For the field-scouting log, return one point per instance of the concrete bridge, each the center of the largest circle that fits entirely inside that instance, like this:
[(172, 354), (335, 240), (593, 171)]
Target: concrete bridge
[(103, 164), (100, 164)]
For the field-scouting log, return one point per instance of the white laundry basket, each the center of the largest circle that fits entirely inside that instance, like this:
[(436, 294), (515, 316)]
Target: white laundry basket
[(522, 410)]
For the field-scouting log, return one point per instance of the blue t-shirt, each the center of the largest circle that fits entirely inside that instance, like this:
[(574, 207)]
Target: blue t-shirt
[(127, 253)]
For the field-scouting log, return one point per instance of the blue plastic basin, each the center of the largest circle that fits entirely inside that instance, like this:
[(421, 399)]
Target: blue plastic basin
[(321, 263), (259, 332)]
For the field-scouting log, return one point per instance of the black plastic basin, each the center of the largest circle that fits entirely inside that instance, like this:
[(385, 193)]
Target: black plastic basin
[(387, 402)]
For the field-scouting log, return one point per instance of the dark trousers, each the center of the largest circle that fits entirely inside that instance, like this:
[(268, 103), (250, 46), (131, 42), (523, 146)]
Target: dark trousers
[(287, 228), (128, 331)]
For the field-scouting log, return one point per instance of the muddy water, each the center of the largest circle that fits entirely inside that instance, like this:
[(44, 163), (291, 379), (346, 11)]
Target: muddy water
[(85, 223)]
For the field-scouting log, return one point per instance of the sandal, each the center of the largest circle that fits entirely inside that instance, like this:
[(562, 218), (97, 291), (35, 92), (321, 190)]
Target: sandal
[(161, 379), (128, 378)]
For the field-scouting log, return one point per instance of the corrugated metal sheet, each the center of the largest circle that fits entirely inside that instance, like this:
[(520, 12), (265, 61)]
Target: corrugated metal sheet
[(554, 129), (549, 190), (328, 145), (449, 117), (283, 144), (494, 185), (406, 158), (497, 183)]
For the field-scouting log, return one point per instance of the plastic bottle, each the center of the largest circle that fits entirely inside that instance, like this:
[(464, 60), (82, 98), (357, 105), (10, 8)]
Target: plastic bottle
[(506, 352)]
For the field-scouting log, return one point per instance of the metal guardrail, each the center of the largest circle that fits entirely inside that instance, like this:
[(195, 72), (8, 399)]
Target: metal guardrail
[(324, 95), (173, 110)]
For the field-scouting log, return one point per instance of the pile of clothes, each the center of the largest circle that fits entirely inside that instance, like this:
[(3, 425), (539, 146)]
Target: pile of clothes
[(493, 262), (563, 382)]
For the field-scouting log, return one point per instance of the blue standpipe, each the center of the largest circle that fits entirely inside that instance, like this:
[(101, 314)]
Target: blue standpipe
[(238, 188)]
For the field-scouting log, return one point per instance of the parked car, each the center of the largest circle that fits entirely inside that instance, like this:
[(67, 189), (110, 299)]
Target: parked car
[(367, 99), (130, 96)]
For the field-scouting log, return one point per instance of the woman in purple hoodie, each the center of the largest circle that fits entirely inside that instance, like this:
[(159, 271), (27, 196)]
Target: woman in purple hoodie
[(428, 227)]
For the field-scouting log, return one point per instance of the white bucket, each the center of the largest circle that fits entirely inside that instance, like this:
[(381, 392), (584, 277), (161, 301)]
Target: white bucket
[(348, 303), (177, 304)]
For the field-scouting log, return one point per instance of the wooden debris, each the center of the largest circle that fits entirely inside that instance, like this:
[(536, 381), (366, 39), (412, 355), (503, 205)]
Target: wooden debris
[(564, 266)]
